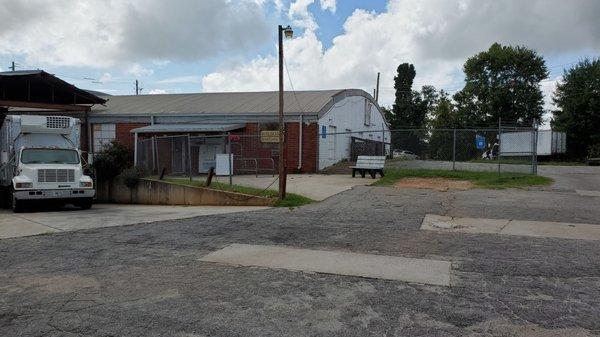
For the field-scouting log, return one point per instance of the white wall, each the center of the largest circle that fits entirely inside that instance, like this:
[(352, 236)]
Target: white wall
[(345, 116)]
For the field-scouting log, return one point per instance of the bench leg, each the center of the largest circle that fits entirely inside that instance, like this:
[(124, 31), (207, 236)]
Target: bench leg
[(373, 174), (362, 173), (381, 173), (353, 173)]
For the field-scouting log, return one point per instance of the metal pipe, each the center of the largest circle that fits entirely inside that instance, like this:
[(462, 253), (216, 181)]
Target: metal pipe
[(135, 149), (454, 151), (189, 155), (300, 127)]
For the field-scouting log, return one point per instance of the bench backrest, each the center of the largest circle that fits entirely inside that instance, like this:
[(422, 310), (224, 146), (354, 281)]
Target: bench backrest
[(370, 162)]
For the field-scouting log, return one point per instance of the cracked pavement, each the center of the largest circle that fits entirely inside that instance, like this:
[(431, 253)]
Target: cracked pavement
[(146, 280)]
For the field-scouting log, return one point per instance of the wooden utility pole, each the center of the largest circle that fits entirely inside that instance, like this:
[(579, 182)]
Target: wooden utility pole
[(377, 90), (13, 66), (282, 173), (137, 87)]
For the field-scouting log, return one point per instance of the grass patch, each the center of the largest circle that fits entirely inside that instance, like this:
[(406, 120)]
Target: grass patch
[(510, 161), (479, 179), (291, 200)]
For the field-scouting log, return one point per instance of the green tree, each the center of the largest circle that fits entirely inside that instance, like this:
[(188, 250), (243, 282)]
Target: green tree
[(578, 101), (409, 110), (502, 82)]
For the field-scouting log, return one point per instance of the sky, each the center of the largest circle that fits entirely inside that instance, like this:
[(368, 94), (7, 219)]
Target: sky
[(182, 46)]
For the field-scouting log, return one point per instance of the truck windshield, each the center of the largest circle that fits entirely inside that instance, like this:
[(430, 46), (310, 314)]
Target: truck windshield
[(49, 156)]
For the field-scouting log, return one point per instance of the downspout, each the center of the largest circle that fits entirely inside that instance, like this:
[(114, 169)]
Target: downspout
[(88, 131), (300, 142), (135, 149)]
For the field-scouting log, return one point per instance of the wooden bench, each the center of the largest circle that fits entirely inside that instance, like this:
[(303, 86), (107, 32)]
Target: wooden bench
[(371, 164)]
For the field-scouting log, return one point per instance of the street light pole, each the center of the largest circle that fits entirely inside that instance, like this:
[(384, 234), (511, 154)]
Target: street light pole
[(282, 153)]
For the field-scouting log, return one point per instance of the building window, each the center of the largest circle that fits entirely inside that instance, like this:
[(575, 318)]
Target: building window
[(368, 106), (103, 135)]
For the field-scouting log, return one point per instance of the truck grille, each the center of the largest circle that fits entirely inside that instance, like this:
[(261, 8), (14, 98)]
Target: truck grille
[(56, 176), (57, 122)]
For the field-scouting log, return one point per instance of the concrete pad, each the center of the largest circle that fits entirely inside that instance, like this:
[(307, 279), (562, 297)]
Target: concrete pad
[(553, 229), (102, 215), (561, 230), (587, 193), (13, 226), (331, 262), (462, 225), (315, 186)]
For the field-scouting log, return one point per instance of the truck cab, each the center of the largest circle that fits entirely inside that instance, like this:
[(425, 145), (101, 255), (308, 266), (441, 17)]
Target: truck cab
[(41, 162)]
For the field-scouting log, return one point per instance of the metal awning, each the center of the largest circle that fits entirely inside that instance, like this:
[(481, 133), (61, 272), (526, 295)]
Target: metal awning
[(187, 128)]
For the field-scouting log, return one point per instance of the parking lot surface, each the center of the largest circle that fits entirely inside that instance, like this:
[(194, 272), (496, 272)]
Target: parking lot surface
[(149, 280), (315, 186), (101, 215)]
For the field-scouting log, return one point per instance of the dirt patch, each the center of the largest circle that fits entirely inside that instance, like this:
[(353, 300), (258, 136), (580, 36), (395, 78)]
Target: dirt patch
[(439, 184)]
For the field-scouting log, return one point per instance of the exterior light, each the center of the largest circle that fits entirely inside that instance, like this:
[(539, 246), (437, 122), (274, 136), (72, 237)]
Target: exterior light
[(288, 32)]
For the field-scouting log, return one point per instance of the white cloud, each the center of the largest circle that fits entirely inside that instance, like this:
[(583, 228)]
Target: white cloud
[(105, 33), (157, 92), (301, 16), (106, 77), (329, 5), (436, 35), (138, 71), (181, 79)]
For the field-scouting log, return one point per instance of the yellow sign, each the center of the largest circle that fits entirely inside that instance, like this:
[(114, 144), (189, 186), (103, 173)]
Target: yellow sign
[(269, 136)]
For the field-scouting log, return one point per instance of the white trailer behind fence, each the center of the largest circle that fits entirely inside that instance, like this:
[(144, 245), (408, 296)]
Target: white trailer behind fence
[(548, 142)]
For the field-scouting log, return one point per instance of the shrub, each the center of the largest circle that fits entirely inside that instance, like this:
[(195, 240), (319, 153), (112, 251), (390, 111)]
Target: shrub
[(594, 151), (131, 176), (111, 161)]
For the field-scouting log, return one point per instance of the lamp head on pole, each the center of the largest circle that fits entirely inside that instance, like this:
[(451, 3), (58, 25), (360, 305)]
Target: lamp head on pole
[(288, 32)]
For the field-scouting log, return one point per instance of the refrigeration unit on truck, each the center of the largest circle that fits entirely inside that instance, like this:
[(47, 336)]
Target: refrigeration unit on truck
[(521, 143), (40, 160)]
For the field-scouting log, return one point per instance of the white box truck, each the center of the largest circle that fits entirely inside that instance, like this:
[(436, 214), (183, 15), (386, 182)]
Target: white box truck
[(521, 143), (40, 160)]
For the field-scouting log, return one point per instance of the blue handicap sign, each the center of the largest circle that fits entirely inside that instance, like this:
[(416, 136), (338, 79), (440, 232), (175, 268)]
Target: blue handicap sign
[(480, 142), (323, 131)]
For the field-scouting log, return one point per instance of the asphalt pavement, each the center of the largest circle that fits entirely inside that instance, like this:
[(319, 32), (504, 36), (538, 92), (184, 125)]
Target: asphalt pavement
[(148, 280)]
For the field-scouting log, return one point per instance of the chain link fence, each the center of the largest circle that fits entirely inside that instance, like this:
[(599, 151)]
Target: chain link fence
[(194, 156), (491, 149), (486, 149)]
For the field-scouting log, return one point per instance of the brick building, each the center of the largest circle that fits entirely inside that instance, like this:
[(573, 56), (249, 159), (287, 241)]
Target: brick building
[(317, 123)]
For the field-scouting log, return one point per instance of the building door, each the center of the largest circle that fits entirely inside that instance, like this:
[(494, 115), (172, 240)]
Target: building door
[(332, 143), (178, 159), (207, 157), (348, 143)]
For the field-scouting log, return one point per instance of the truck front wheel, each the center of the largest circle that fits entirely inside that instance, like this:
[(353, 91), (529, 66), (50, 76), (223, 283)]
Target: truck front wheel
[(85, 203), (17, 205)]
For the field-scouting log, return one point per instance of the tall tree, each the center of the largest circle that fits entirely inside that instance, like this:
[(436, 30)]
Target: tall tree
[(409, 110), (502, 82), (578, 101), (403, 112)]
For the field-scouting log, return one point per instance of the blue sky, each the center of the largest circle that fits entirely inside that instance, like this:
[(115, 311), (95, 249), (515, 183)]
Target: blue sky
[(221, 45)]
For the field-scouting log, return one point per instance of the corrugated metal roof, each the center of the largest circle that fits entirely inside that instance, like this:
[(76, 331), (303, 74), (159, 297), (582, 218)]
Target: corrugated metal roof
[(220, 103), (167, 128)]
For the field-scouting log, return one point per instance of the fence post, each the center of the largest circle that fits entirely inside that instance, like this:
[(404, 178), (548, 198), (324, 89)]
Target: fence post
[(230, 158), (189, 155), (499, 143), (454, 151), (383, 139), (534, 147)]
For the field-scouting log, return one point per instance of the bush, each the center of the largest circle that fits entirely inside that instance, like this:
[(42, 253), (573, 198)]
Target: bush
[(131, 176), (594, 151), (111, 161)]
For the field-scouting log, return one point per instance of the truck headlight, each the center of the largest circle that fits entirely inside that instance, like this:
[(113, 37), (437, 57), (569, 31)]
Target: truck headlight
[(23, 185), (86, 184)]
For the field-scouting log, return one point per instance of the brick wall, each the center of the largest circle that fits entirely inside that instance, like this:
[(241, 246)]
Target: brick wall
[(124, 135), (252, 147), (309, 147)]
